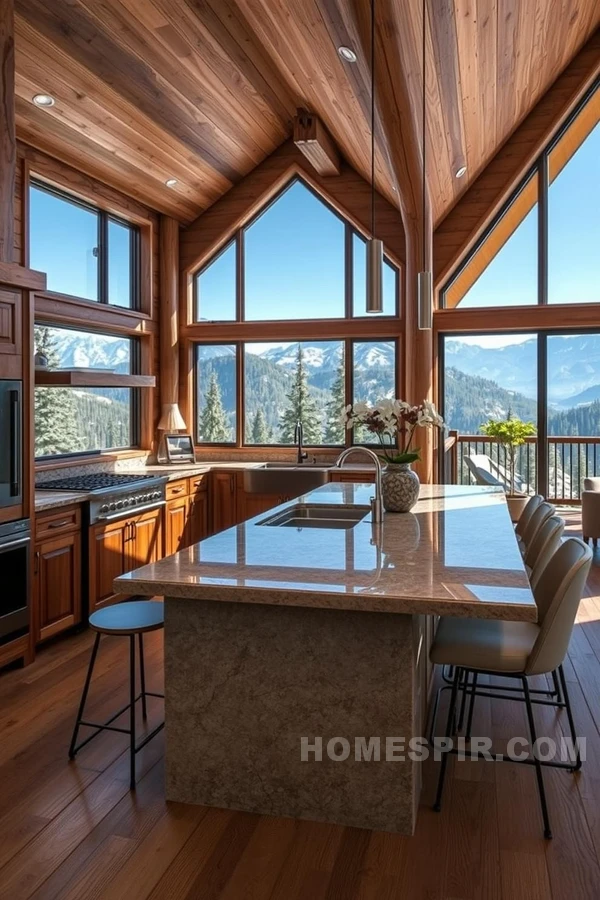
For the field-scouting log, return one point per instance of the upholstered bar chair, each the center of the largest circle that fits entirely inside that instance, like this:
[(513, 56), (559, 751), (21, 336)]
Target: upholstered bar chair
[(590, 510), (539, 516), (518, 650), (543, 547), (525, 517)]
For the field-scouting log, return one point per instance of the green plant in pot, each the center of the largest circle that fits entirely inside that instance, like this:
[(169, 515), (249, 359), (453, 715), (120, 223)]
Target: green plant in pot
[(512, 433), (394, 424)]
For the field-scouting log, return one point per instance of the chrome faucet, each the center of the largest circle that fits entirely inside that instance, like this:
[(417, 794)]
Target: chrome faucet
[(298, 437), (376, 501)]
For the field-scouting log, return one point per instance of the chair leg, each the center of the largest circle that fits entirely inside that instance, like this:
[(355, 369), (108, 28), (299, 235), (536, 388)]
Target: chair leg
[(538, 766), (471, 708), (449, 733), (461, 716), (132, 711), (86, 687), (567, 702), (143, 678), (557, 691)]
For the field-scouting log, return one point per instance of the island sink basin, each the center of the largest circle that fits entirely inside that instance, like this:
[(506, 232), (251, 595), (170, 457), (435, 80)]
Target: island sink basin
[(303, 515), (287, 480)]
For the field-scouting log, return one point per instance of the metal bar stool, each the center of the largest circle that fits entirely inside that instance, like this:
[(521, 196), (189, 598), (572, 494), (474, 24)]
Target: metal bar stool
[(135, 617)]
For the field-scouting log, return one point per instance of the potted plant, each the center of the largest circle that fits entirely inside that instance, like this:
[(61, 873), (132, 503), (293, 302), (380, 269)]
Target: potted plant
[(394, 423), (512, 432)]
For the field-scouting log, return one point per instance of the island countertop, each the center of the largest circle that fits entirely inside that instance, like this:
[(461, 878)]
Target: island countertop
[(454, 554)]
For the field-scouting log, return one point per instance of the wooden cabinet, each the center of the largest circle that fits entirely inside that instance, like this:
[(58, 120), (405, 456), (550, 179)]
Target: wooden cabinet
[(250, 505), (57, 592), (177, 524), (11, 347), (57, 572), (198, 518), (224, 501), (119, 547), (367, 477)]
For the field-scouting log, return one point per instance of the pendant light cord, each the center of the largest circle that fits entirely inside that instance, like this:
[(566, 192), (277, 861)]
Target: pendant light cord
[(372, 118), (423, 116)]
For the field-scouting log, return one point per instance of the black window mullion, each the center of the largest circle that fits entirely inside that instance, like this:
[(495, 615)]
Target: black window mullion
[(543, 230), (102, 257), (542, 422)]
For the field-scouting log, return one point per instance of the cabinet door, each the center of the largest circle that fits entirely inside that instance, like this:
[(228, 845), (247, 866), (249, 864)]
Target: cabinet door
[(353, 477), (57, 585), (254, 504), (107, 560), (224, 501), (146, 544), (176, 525), (198, 518)]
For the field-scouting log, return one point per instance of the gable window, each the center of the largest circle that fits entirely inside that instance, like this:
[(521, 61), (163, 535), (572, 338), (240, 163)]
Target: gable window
[(86, 252), (85, 420), (542, 247), (297, 259)]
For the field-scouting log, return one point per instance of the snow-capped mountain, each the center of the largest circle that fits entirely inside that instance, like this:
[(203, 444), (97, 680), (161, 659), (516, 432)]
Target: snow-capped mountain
[(326, 355)]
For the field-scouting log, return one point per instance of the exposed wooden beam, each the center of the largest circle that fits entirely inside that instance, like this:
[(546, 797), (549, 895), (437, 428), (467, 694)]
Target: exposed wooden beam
[(461, 228), (314, 141), (169, 311), (8, 144)]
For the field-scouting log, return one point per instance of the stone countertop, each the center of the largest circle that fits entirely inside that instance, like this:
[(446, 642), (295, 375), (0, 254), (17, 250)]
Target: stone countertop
[(45, 500), (454, 554)]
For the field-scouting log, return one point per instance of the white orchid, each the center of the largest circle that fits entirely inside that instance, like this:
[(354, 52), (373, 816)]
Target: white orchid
[(395, 420)]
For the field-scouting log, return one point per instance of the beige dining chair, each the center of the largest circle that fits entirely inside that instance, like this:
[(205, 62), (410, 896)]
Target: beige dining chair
[(525, 517), (590, 510), (476, 647), (543, 512), (543, 547)]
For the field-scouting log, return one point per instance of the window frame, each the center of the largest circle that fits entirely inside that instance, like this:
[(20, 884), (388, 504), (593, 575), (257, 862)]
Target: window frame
[(240, 442), (103, 248), (540, 168), (238, 240), (135, 393)]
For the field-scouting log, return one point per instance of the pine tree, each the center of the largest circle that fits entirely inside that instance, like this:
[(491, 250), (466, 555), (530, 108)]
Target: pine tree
[(261, 434), (213, 421), (334, 428), (56, 419), (301, 407)]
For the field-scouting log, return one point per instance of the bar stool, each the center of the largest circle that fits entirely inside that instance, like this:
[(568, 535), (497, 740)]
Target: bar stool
[(128, 619)]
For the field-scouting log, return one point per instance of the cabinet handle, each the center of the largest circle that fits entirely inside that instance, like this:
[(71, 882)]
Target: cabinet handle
[(36, 565), (59, 524), (177, 490)]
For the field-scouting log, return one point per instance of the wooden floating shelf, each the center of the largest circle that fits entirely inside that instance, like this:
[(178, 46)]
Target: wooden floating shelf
[(93, 379)]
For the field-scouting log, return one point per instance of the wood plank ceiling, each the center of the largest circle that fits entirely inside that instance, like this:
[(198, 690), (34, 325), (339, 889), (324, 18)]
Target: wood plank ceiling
[(203, 90)]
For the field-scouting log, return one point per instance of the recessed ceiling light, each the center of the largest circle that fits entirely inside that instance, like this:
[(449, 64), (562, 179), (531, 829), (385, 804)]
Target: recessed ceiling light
[(171, 182), (460, 172), (347, 54), (44, 100)]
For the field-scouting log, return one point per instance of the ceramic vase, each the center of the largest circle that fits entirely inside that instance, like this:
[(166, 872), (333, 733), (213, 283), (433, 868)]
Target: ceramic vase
[(399, 487)]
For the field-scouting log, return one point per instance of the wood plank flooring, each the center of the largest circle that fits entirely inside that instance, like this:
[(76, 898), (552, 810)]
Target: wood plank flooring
[(74, 831)]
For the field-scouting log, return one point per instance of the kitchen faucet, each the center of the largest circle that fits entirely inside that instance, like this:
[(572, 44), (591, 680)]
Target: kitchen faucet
[(376, 501), (298, 437)]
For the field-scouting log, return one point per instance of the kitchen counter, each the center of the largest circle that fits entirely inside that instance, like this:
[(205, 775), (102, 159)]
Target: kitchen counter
[(55, 499), (288, 649)]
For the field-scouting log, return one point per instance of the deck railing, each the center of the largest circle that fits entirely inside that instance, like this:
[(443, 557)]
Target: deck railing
[(570, 460)]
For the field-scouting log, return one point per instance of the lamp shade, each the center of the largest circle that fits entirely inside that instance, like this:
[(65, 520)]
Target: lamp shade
[(171, 419), (374, 276)]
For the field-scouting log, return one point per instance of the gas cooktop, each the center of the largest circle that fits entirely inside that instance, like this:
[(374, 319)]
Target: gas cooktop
[(89, 483)]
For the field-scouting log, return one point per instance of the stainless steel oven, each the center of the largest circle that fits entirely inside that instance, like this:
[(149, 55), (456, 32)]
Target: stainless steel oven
[(15, 549), (11, 443)]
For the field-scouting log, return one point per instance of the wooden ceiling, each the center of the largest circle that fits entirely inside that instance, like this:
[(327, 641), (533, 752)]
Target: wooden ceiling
[(203, 90)]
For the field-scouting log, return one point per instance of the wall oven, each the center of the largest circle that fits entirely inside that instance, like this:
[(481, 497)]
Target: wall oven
[(15, 549), (11, 443)]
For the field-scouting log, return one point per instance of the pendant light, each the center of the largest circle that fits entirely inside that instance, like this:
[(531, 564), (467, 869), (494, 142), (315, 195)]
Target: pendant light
[(424, 278), (374, 246)]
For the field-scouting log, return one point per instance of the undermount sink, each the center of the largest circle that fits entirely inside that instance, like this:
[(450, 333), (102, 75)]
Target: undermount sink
[(285, 479), (303, 515)]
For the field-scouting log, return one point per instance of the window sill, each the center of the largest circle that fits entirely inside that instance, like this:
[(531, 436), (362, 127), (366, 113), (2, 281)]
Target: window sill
[(69, 462)]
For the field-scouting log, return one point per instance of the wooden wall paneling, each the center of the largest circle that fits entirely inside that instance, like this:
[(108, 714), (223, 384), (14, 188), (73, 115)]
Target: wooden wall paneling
[(8, 152), (460, 229)]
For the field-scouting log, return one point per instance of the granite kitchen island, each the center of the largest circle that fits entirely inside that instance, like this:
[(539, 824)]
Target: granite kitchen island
[(282, 637)]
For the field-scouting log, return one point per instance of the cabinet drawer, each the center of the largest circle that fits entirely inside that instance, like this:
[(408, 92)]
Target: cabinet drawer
[(176, 489), (57, 522), (198, 483)]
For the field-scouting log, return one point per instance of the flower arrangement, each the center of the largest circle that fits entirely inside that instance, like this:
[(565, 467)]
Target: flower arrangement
[(394, 423)]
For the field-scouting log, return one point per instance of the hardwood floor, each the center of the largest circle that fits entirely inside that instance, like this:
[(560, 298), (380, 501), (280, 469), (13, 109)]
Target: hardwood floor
[(75, 831)]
